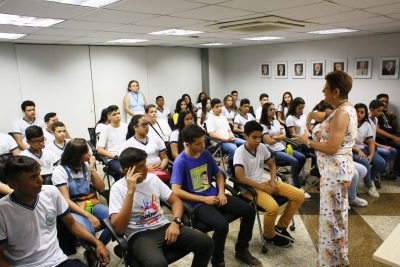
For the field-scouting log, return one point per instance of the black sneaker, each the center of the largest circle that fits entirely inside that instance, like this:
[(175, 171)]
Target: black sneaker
[(278, 241), (246, 257), (389, 176), (283, 233), (91, 259)]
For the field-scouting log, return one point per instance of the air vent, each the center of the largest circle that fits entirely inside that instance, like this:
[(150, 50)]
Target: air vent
[(261, 24)]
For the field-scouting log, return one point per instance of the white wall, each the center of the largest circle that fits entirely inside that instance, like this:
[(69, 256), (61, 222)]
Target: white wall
[(216, 73), (242, 69)]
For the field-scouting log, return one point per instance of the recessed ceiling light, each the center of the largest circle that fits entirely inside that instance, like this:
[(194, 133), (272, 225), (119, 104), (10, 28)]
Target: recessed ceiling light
[(127, 41), (91, 3), (175, 32), (333, 31), (4, 35), (265, 38), (27, 21), (216, 44)]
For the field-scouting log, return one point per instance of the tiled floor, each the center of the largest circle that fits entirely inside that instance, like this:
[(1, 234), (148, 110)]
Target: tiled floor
[(368, 227)]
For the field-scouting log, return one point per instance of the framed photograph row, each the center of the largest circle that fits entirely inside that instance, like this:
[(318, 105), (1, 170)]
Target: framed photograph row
[(389, 68)]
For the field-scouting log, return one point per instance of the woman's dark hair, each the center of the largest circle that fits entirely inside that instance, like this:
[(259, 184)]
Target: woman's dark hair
[(179, 126), (178, 105), (264, 115), (190, 105), (318, 106), (129, 84), (134, 121), (283, 103), (199, 98), (324, 106), (103, 117), (204, 109), (296, 102), (361, 105), (74, 150), (148, 107), (340, 80)]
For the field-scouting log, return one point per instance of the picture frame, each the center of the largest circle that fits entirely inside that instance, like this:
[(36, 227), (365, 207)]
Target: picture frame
[(363, 68), (299, 69), (318, 68), (389, 68), (265, 70), (281, 69), (339, 64)]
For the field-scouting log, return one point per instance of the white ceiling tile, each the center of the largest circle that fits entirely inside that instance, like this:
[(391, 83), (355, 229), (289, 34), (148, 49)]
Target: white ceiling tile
[(46, 37), (212, 2), (389, 30), (385, 10), (114, 35), (363, 22), (311, 11), (27, 41), (63, 32), (86, 25), (19, 29), (114, 16), (395, 24), (364, 3), (42, 9), (154, 6), (345, 16), (395, 16), (90, 40), (266, 5), (167, 21), (212, 13), (138, 29)]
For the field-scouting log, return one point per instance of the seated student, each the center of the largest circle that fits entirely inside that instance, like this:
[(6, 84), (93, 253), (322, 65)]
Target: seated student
[(283, 107), (189, 104), (236, 99), (8, 145), (229, 110), (204, 112), (73, 178), (157, 128), (263, 100), (191, 180), (49, 119), (32, 211), (386, 152), (135, 211), (111, 139), (47, 159), (101, 124), (180, 105), (248, 162), (57, 146), (29, 119), (163, 113), (273, 135), (243, 117), (364, 150), (201, 96), (175, 140)]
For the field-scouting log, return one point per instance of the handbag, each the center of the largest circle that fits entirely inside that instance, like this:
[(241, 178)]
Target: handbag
[(162, 174), (81, 201)]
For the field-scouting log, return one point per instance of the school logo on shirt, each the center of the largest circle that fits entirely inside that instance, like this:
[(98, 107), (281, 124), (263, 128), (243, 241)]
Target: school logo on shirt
[(50, 218), (48, 163), (3, 148), (157, 150), (200, 178)]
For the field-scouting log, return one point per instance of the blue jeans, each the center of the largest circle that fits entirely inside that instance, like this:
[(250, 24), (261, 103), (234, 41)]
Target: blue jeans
[(378, 164), (100, 212), (359, 173), (116, 167), (296, 163), (387, 155), (230, 148)]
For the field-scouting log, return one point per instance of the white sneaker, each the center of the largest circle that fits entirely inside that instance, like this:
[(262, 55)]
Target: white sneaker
[(358, 202), (372, 191), (291, 181), (306, 195)]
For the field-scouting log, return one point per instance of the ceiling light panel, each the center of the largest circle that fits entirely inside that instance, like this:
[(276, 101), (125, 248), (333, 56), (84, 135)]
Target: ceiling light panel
[(12, 36), (333, 31), (175, 32), (265, 38), (216, 44), (89, 3), (127, 41), (27, 21)]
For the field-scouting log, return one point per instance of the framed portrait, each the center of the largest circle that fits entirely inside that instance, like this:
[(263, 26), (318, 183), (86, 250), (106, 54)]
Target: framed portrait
[(318, 69), (281, 70), (265, 70), (299, 69), (389, 68), (339, 64), (363, 68)]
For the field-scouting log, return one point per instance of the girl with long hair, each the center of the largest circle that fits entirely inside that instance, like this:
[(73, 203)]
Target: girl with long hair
[(204, 112), (284, 107), (176, 141), (229, 110), (180, 105)]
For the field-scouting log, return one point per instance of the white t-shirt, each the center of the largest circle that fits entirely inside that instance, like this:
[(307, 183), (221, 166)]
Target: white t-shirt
[(100, 127), (112, 138), (164, 114), (364, 131), (147, 212), (314, 131), (241, 121), (373, 122), (275, 130), (49, 136), (7, 144), (153, 147), (174, 137), (229, 114), (30, 233), (283, 111), (60, 176), (199, 105), (199, 113), (57, 150), (299, 123), (258, 113), (163, 129), (253, 164), (21, 125), (219, 125), (48, 160)]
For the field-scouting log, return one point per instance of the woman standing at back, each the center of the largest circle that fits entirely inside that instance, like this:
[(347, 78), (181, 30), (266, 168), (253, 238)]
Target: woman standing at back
[(134, 101)]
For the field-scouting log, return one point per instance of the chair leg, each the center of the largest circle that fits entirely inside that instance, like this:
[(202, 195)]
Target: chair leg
[(264, 248), (120, 263), (292, 227), (311, 186)]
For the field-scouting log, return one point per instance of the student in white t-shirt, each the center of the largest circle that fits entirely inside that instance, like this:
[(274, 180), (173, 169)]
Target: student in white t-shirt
[(163, 113), (243, 117), (47, 159), (32, 211), (175, 140), (111, 139), (136, 211), (229, 110), (263, 99), (8, 145), (101, 124), (29, 109), (57, 146), (283, 107), (236, 99), (49, 119), (199, 99), (204, 112), (158, 129)]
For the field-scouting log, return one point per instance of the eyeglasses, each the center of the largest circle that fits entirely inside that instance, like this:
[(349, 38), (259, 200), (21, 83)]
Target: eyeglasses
[(36, 143), (144, 125), (272, 109)]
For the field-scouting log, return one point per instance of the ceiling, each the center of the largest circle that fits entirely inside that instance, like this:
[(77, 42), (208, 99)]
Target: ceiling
[(134, 19)]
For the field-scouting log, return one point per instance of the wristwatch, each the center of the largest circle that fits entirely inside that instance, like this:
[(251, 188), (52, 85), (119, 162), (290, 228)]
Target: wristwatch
[(177, 220), (116, 157)]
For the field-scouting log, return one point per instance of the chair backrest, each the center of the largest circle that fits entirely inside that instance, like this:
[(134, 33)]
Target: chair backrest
[(92, 136)]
